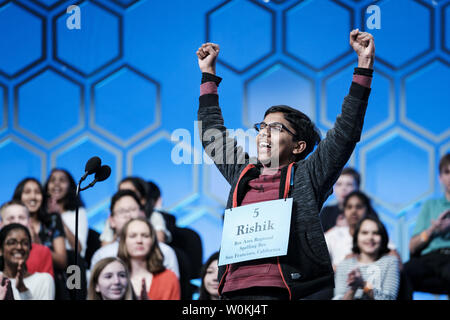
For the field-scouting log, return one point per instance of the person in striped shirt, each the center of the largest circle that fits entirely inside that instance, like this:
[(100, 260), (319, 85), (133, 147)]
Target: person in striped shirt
[(372, 273)]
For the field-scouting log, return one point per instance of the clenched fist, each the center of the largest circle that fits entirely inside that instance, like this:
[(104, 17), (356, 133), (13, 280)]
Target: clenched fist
[(364, 45), (207, 56)]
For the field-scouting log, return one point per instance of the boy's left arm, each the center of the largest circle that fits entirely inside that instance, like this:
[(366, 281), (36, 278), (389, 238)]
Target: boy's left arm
[(333, 152)]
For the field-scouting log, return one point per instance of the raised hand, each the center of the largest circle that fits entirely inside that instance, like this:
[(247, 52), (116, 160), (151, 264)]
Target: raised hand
[(20, 285), (207, 56), (364, 46), (442, 224), (53, 206), (355, 279), (4, 283)]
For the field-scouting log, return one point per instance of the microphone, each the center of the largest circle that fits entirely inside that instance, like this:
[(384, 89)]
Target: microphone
[(102, 174), (92, 165)]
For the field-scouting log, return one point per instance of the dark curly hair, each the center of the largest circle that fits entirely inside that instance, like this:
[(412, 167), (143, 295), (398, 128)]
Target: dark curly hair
[(304, 128)]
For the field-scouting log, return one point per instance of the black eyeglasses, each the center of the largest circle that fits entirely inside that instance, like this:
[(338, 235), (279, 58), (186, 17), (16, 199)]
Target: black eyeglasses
[(276, 126)]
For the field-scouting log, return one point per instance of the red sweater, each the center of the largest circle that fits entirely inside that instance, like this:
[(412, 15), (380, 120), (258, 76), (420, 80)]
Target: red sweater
[(262, 272), (40, 259)]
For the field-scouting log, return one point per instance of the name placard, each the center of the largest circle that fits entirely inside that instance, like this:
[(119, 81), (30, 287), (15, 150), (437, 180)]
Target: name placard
[(256, 231)]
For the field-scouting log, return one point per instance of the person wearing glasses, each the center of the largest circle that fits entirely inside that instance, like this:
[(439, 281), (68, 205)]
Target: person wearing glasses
[(286, 136), (125, 205), (15, 245)]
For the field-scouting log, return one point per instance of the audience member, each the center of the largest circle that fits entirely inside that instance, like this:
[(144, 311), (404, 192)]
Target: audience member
[(339, 238), (139, 249), (428, 269), (372, 274), (61, 195), (210, 284), (48, 226), (40, 258), (332, 215), (110, 280), (15, 244), (61, 198), (140, 187), (125, 205)]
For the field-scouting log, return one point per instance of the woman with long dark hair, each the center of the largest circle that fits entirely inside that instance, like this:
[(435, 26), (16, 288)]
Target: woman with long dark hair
[(47, 228), (372, 273), (60, 190)]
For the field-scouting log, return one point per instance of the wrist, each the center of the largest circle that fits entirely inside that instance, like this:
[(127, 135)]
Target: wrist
[(365, 62), (210, 70)]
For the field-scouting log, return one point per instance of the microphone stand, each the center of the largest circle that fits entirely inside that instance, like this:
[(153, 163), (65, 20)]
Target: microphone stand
[(74, 296)]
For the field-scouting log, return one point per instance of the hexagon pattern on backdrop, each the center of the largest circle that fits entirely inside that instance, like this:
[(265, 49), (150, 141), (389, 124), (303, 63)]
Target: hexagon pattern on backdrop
[(119, 86)]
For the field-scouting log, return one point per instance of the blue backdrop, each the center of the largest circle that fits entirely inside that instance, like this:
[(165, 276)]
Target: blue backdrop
[(119, 86)]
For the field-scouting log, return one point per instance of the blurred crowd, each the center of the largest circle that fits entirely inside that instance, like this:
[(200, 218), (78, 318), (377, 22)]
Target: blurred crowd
[(142, 253)]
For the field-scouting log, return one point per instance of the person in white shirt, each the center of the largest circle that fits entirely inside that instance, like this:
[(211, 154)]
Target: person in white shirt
[(340, 238), (15, 245), (61, 192), (125, 206)]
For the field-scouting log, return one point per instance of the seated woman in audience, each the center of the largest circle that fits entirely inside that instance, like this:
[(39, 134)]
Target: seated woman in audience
[(47, 226), (339, 238), (210, 284), (373, 273), (125, 206), (60, 190), (139, 249), (15, 244), (40, 258), (110, 281)]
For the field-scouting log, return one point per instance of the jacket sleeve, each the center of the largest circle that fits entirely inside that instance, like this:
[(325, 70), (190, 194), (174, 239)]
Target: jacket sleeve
[(223, 150), (332, 153)]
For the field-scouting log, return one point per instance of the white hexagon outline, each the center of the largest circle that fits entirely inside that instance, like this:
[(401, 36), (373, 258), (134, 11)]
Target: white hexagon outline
[(103, 66), (138, 135), (25, 145), (444, 149), (415, 141), (206, 170), (409, 123), (245, 107), (198, 212), (96, 140), (34, 137), (415, 58), (377, 128), (273, 36), (303, 61), (164, 135), (43, 35)]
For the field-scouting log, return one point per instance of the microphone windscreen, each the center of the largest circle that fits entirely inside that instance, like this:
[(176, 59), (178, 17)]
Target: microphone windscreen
[(103, 173), (93, 165)]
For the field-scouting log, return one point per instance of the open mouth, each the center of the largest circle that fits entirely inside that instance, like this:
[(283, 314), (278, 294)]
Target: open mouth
[(264, 145)]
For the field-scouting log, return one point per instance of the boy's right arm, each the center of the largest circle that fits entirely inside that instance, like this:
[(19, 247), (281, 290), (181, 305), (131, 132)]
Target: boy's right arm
[(227, 156)]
